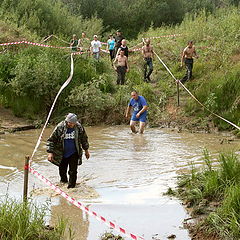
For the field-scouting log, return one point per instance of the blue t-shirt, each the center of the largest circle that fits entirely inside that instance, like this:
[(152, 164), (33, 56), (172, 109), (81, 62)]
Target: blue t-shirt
[(138, 104), (69, 143), (111, 44)]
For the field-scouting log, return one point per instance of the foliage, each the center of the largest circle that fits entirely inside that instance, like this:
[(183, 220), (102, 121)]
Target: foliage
[(217, 184), (26, 221), (46, 17)]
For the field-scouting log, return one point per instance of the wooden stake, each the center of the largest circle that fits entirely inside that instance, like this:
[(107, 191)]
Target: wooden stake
[(178, 99), (25, 184)]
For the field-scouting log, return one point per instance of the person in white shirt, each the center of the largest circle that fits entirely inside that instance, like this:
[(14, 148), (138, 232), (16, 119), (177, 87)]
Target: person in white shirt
[(96, 47)]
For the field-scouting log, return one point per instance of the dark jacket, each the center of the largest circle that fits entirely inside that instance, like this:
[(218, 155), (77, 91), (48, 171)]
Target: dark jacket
[(55, 143)]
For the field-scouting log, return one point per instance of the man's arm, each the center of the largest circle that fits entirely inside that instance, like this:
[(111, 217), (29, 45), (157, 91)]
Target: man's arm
[(127, 70), (128, 111), (142, 111), (182, 58), (195, 53), (51, 144), (84, 143), (114, 63)]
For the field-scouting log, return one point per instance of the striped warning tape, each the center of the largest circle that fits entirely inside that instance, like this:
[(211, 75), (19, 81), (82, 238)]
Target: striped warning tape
[(83, 208), (31, 43)]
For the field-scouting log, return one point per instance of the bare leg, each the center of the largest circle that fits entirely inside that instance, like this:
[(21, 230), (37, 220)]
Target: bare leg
[(132, 126), (141, 127)]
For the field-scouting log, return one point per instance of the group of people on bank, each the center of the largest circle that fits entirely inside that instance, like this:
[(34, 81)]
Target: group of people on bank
[(119, 52)]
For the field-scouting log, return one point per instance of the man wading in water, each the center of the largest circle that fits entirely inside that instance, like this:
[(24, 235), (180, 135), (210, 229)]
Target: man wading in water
[(121, 68), (147, 52), (139, 114), (64, 148), (187, 56)]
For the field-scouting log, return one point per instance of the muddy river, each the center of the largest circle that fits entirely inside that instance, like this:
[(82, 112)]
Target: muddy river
[(124, 180)]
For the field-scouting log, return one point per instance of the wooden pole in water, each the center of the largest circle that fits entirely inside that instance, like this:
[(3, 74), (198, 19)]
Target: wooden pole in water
[(178, 99), (25, 184)]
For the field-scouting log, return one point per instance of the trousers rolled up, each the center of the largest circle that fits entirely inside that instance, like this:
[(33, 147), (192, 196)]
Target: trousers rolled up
[(189, 67), (148, 64), (121, 71), (72, 162)]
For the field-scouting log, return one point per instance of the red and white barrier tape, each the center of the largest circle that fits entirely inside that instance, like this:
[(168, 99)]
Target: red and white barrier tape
[(83, 208), (184, 87), (31, 43), (171, 35)]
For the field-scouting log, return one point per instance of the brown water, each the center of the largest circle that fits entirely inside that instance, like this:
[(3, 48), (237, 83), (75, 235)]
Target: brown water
[(124, 180)]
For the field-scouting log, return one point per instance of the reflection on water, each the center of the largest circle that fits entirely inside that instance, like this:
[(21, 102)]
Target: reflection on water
[(129, 171)]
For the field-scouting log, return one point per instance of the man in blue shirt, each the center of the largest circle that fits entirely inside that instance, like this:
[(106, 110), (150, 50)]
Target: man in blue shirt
[(64, 148), (138, 105)]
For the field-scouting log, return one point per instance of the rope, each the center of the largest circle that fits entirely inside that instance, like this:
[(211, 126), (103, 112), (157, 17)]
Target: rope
[(188, 91)]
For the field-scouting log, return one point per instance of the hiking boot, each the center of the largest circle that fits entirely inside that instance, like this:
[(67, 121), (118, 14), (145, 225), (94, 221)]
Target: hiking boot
[(71, 185)]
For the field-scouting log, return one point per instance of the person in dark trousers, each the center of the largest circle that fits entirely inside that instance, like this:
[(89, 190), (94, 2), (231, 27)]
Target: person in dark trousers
[(74, 43), (148, 54), (64, 148), (187, 57), (121, 67), (111, 46), (118, 39)]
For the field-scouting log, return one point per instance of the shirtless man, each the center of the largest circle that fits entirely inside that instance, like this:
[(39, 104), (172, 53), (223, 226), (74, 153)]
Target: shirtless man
[(148, 54), (187, 56), (121, 66)]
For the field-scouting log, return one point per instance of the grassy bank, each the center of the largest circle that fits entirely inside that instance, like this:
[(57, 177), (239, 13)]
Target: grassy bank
[(25, 221), (212, 195), (30, 77)]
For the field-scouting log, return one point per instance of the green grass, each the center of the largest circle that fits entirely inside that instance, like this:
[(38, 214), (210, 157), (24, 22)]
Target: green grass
[(218, 181), (25, 221)]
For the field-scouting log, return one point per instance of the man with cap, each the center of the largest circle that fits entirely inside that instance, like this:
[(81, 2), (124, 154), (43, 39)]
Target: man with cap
[(64, 148), (96, 47)]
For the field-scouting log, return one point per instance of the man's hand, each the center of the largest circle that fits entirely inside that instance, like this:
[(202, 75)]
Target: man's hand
[(138, 115), (50, 157), (87, 154), (127, 70)]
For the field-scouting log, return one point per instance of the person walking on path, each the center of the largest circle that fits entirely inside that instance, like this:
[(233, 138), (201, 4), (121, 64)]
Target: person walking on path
[(187, 57), (64, 148), (96, 47), (121, 67), (148, 54), (111, 46), (74, 43), (138, 105), (124, 48), (118, 38), (84, 43)]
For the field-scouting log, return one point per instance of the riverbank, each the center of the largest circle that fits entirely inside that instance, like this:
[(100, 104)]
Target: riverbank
[(10, 123), (211, 196)]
